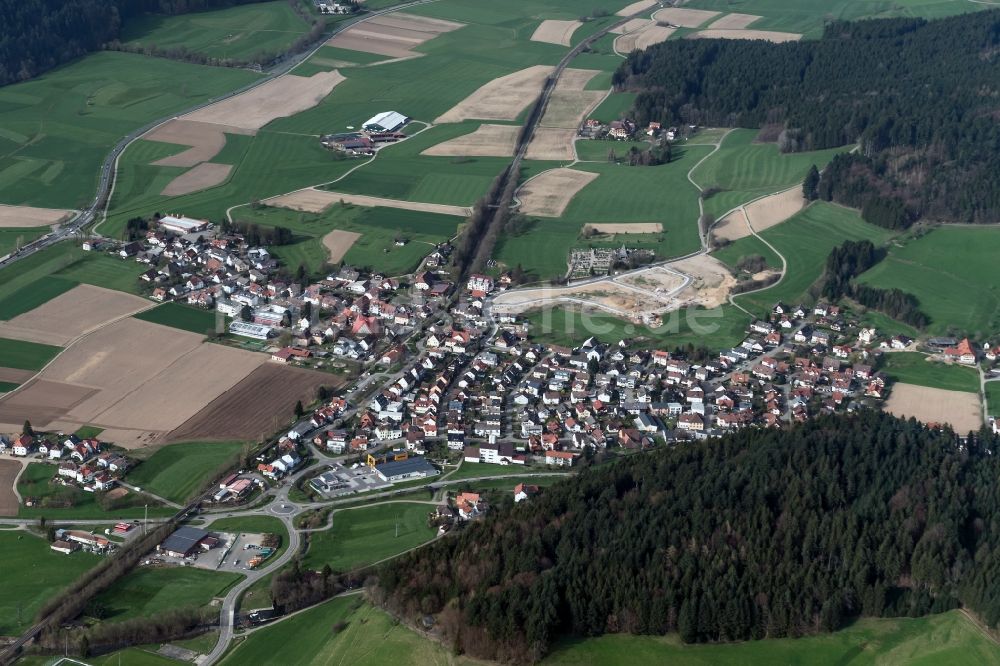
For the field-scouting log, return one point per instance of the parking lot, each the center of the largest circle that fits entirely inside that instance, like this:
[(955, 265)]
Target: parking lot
[(340, 481)]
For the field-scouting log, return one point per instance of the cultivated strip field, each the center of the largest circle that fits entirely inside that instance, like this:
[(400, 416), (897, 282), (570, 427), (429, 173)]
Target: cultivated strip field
[(316, 201), (9, 470), (637, 7), (549, 143), (549, 193), (71, 314), (684, 18), (565, 111), (395, 35), (201, 177), (255, 406), (487, 141), (338, 242), (733, 22), (15, 375), (205, 139), (552, 31), (27, 216), (761, 214), (767, 35), (500, 99), (281, 97), (959, 409)]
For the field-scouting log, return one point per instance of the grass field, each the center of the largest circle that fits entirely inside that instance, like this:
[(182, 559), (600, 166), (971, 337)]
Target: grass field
[(58, 127), (184, 317), (379, 228), (35, 482), (597, 150), (993, 398), (749, 246), (805, 241), (147, 591), (14, 238), (914, 368), (963, 297), (40, 574), (472, 470), (179, 471), (360, 537), (745, 170), (237, 32), (615, 107), (25, 355)]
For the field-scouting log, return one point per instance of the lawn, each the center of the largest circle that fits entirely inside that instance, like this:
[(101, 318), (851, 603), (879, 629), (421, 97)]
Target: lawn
[(184, 317), (178, 472), (88, 432), (59, 126), (473, 470), (914, 368), (242, 32), (148, 591), (39, 574), (949, 638), (360, 537), (368, 637), (745, 170), (25, 355), (958, 297), (35, 482), (805, 241)]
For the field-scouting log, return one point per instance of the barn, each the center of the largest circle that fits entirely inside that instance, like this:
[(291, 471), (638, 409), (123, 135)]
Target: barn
[(387, 121)]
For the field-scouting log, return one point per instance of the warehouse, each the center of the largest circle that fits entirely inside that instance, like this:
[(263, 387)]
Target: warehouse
[(387, 121), (186, 541), (183, 225), (248, 330), (400, 470)]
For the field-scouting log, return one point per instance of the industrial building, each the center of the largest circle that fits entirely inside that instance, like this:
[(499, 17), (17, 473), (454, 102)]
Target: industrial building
[(248, 330), (187, 541), (411, 468)]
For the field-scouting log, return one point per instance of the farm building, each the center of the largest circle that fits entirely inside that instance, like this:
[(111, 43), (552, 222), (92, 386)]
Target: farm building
[(187, 540), (183, 225), (248, 330), (410, 468), (387, 121)]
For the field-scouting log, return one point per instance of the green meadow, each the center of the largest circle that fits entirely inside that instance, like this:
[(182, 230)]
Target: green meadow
[(13, 238), (360, 537), (56, 129), (41, 574), (148, 591), (749, 246), (993, 398), (914, 368), (957, 296), (184, 317), (475, 470), (25, 355), (236, 32), (178, 472), (35, 482)]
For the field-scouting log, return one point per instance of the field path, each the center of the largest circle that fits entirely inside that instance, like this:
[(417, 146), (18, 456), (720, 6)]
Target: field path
[(703, 233)]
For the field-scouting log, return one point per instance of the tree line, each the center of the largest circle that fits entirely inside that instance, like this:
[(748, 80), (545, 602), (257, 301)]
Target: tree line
[(923, 116), (759, 534)]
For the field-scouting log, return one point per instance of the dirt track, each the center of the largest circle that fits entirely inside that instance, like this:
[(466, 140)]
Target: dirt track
[(961, 410), (316, 201), (549, 193), (9, 471), (205, 139), (500, 99), (338, 242), (551, 31), (27, 216), (487, 141), (201, 177)]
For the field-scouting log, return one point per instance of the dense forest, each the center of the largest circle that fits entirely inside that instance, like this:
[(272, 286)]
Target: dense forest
[(37, 35), (918, 97), (758, 534)]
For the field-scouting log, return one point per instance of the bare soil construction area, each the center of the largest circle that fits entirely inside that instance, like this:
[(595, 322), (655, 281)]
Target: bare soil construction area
[(500, 99), (549, 193), (733, 22), (767, 35), (256, 406), (761, 214), (636, 7), (623, 228), (709, 282), (395, 35), (486, 141), (131, 375), (552, 31), (549, 143), (605, 295), (338, 242), (205, 139), (201, 177), (67, 316), (316, 201), (684, 18), (959, 409), (9, 471), (27, 216), (643, 37), (284, 96)]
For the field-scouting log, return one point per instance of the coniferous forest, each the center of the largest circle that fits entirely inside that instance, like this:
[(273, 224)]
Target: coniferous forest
[(919, 98), (760, 534)]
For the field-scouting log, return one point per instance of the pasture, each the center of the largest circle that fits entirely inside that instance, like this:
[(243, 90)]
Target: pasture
[(914, 368), (41, 574), (805, 241), (148, 591), (236, 33), (58, 127), (185, 317), (363, 536), (957, 296), (179, 471)]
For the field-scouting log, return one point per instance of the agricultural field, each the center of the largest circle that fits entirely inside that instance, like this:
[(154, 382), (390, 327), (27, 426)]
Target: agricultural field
[(184, 317), (57, 128), (957, 297), (22, 355), (41, 574), (237, 33), (147, 591), (805, 241), (35, 483), (914, 368), (363, 536), (179, 471), (743, 170)]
